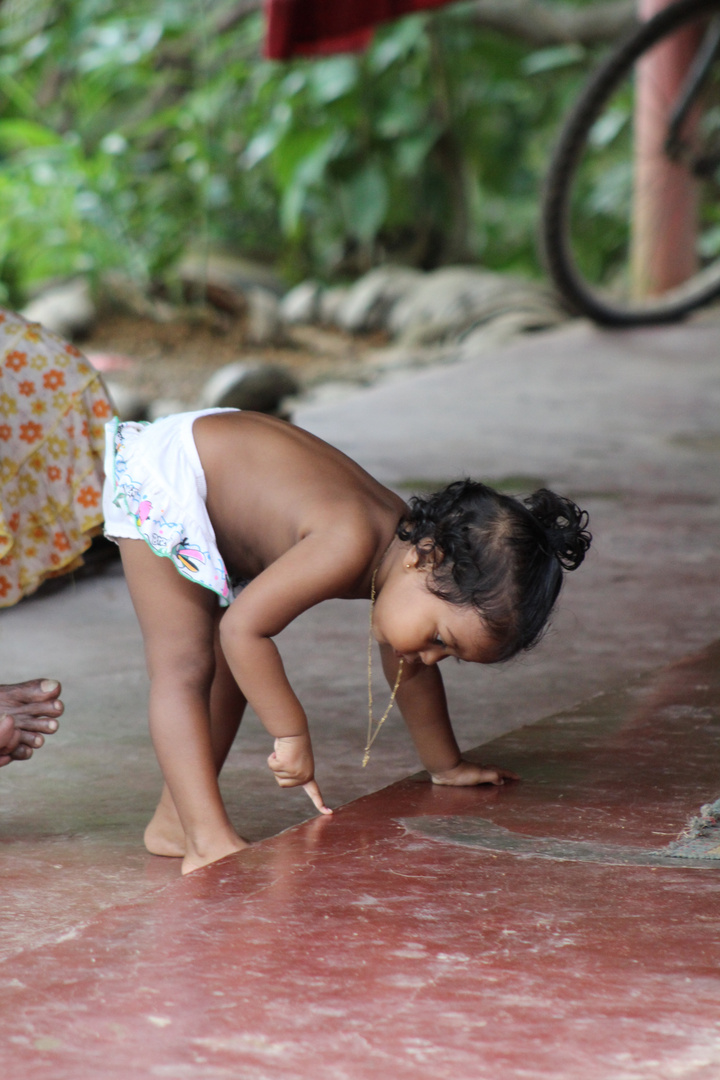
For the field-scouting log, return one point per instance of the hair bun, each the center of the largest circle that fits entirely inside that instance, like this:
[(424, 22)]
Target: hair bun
[(564, 524)]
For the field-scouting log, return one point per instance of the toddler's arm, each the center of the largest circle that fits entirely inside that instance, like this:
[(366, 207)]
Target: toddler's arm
[(421, 699), (312, 570)]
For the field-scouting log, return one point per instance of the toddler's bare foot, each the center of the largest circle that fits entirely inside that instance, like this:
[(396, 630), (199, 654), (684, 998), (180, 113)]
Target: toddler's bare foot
[(228, 846), (33, 707), (164, 834)]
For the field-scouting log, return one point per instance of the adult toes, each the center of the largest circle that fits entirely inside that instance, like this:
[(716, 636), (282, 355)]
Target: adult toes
[(26, 712), (37, 722), (31, 740), (27, 693), (22, 753)]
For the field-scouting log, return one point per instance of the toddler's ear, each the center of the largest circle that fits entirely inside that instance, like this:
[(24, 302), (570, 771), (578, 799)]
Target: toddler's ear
[(425, 555)]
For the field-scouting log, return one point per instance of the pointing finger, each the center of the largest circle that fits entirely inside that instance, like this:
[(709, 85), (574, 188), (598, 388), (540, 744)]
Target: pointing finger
[(313, 792)]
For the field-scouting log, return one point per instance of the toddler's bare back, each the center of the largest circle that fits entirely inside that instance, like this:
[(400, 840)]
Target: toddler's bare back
[(270, 484)]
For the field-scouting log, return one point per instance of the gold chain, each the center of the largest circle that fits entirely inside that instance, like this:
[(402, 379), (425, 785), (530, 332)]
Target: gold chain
[(372, 735)]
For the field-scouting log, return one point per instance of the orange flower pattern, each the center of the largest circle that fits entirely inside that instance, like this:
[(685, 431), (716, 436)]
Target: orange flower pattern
[(88, 496), (15, 360), (53, 379), (52, 443), (30, 432)]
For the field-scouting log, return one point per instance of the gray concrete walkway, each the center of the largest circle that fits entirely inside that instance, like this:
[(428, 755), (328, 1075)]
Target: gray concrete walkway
[(628, 424)]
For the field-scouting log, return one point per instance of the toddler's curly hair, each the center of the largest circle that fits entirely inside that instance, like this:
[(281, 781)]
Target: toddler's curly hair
[(500, 555)]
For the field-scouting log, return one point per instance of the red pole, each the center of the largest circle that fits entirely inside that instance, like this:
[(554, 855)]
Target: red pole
[(664, 208)]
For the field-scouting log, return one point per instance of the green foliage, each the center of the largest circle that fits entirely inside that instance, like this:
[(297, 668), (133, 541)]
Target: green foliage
[(131, 129)]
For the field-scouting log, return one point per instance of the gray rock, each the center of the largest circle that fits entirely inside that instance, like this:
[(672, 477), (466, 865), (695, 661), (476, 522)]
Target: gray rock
[(450, 302), (264, 326), (121, 293), (66, 309), (301, 304), (499, 330), (371, 299), (260, 387), (225, 280), (330, 304)]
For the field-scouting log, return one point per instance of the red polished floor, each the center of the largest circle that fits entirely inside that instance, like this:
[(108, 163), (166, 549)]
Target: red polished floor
[(360, 947)]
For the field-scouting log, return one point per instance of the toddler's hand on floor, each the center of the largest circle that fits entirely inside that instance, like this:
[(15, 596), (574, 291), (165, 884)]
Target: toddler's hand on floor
[(467, 774), (293, 764)]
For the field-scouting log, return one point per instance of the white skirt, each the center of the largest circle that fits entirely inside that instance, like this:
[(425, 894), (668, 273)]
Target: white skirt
[(155, 490)]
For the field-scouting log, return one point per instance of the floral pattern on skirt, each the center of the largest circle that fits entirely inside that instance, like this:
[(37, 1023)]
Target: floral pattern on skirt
[(53, 407)]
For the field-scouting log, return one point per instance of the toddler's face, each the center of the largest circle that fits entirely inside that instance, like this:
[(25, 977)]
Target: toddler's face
[(422, 628)]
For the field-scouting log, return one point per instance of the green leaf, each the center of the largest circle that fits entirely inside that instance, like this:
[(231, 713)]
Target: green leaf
[(365, 201), (22, 134), (331, 79), (302, 161), (397, 42), (552, 59), (404, 113), (411, 152), (302, 156), (609, 126)]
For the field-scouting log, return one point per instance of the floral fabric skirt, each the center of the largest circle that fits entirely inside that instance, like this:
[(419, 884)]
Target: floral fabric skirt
[(53, 408)]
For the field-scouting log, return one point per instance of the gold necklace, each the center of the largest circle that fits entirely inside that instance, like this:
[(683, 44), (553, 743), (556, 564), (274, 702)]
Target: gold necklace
[(372, 735)]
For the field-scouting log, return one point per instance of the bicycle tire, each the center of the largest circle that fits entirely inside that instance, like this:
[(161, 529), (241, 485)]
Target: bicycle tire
[(605, 305)]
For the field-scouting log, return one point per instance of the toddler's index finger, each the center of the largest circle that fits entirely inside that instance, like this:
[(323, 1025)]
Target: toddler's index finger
[(313, 792)]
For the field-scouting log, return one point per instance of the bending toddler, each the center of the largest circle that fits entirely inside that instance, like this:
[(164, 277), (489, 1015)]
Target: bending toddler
[(211, 504)]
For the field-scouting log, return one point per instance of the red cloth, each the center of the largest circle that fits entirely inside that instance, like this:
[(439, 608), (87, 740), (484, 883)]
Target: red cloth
[(312, 27)]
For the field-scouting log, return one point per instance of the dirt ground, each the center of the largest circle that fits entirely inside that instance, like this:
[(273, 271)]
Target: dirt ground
[(174, 359)]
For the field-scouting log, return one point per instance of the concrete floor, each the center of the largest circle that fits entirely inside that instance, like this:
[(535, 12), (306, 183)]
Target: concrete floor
[(547, 930), (626, 423)]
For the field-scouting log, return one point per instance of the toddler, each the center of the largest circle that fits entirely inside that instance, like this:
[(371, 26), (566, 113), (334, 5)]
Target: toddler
[(210, 503)]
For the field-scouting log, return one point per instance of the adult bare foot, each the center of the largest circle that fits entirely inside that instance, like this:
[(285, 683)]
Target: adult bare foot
[(9, 739), (34, 707)]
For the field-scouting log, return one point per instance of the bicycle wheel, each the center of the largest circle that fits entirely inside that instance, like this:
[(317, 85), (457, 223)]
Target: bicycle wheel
[(611, 217)]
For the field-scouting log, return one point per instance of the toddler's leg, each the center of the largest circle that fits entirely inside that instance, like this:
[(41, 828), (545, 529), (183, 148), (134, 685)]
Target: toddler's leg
[(177, 619), (164, 834), (227, 703)]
